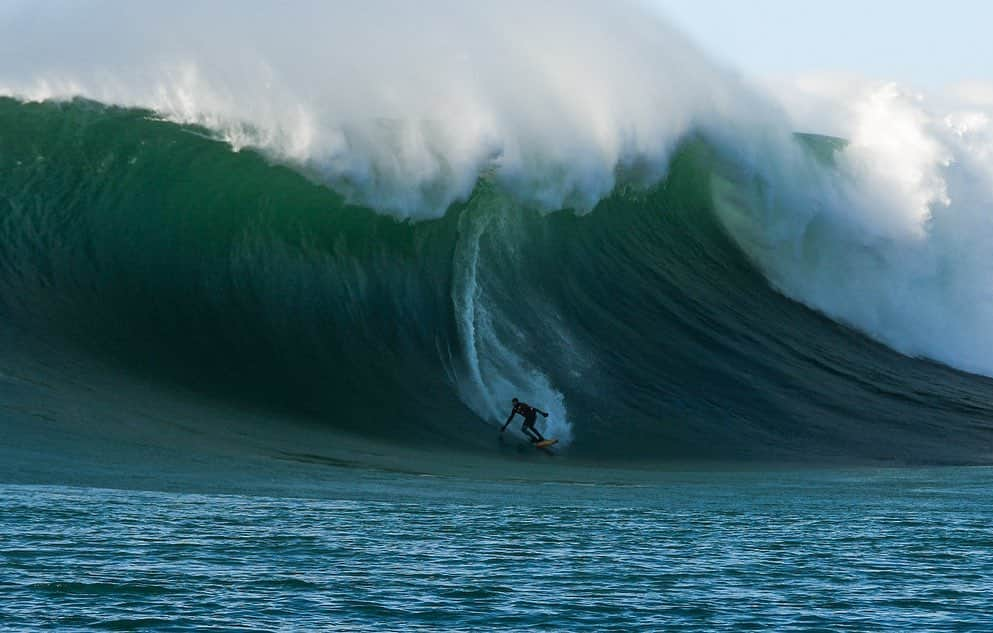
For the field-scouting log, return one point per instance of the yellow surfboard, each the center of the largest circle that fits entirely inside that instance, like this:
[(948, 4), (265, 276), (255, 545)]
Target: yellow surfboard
[(545, 443)]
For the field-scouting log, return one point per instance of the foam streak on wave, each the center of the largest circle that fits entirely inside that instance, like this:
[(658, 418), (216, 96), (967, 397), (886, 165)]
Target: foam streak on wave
[(493, 373)]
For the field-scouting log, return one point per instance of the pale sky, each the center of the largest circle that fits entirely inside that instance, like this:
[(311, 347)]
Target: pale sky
[(925, 43)]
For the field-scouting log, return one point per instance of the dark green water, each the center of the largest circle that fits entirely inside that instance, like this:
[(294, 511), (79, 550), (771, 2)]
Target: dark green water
[(640, 326)]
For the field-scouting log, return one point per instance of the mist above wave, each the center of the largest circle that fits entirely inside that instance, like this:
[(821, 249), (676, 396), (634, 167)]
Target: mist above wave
[(399, 105)]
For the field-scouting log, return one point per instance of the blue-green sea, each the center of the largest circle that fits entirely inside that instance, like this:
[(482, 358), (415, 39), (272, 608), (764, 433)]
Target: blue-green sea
[(787, 550)]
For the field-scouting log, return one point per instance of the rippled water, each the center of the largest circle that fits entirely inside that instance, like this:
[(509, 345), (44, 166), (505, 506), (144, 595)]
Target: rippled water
[(854, 550)]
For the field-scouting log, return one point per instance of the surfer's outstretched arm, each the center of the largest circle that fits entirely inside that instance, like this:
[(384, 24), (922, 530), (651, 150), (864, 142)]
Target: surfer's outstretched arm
[(504, 427), (544, 413)]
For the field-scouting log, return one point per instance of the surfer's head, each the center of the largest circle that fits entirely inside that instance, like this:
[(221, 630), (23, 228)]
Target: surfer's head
[(514, 400)]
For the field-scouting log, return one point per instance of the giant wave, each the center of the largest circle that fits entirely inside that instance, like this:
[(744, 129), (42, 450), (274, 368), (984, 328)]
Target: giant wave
[(590, 216)]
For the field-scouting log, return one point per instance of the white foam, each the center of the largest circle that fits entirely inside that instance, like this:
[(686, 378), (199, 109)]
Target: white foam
[(401, 105), (897, 241)]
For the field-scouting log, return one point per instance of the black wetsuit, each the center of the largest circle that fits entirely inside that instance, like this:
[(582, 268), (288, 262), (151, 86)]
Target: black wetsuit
[(530, 414)]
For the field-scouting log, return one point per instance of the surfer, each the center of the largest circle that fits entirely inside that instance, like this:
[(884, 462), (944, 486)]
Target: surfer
[(530, 414)]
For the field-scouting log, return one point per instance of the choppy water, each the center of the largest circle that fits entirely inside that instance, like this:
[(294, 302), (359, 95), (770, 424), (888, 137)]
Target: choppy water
[(840, 550)]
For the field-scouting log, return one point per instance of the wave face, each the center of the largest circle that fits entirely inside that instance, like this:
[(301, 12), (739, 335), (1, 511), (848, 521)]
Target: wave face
[(435, 217), (642, 327)]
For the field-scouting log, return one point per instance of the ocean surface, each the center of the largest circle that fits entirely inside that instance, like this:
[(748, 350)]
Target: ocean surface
[(263, 311), (858, 549)]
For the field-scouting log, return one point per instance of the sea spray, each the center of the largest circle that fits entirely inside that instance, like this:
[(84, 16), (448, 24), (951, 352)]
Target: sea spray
[(401, 107)]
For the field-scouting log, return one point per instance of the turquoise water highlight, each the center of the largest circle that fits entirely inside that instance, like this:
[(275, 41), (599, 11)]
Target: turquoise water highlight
[(858, 550)]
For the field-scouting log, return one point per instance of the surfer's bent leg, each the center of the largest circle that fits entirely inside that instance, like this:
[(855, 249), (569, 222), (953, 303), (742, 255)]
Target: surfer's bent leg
[(527, 430), (530, 431)]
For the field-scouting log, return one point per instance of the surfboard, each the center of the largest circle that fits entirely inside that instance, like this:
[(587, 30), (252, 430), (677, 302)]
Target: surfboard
[(545, 443)]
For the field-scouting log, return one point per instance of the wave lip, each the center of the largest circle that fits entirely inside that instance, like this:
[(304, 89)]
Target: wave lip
[(401, 108)]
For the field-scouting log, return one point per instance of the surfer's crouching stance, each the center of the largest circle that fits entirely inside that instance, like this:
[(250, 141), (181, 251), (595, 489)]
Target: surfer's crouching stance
[(530, 414)]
